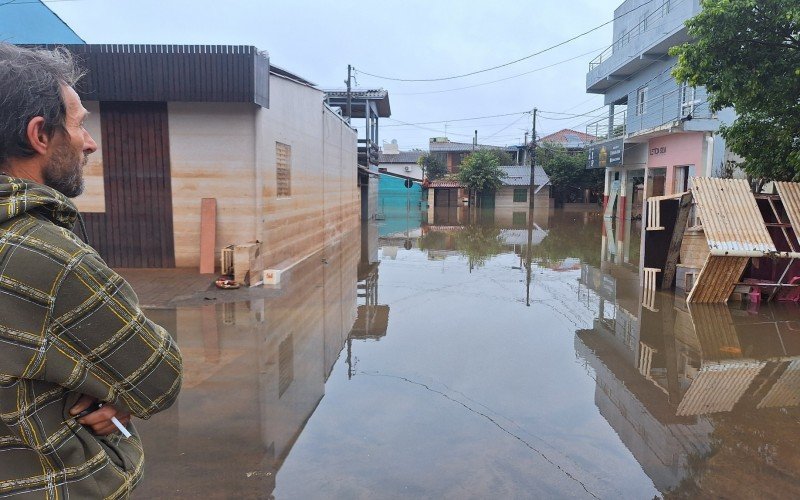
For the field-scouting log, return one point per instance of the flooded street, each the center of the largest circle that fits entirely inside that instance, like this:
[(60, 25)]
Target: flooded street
[(418, 361)]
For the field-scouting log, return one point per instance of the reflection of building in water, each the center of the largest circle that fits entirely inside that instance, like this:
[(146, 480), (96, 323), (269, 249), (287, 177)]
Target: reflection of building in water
[(372, 319), (689, 390), (254, 375)]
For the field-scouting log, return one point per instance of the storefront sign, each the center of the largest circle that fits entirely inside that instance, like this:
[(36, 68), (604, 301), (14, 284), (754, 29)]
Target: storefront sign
[(658, 151), (605, 154)]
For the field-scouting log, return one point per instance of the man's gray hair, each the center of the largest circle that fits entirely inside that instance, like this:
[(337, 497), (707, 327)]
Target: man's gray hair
[(30, 86)]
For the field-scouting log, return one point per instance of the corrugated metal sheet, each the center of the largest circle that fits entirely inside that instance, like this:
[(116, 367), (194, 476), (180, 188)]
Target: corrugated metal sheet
[(521, 175), (440, 183), (730, 215), (790, 197), (716, 280), (718, 387), (786, 391), (714, 328)]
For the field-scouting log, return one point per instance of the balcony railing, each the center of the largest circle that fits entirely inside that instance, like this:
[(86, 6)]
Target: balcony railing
[(603, 129), (646, 24)]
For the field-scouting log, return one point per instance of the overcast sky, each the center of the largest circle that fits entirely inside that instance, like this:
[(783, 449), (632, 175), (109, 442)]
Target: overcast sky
[(412, 39)]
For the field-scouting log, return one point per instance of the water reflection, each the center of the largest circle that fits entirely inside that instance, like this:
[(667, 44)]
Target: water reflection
[(254, 374), (705, 397)]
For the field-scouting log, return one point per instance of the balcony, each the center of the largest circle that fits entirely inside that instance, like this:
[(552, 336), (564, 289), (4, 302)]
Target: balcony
[(368, 153), (643, 42), (604, 130)]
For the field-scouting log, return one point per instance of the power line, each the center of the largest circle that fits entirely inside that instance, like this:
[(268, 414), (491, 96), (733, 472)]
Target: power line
[(454, 120), (510, 62), (499, 80)]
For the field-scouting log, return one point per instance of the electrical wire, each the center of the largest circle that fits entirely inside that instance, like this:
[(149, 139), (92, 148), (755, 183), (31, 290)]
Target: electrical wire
[(501, 79), (547, 49)]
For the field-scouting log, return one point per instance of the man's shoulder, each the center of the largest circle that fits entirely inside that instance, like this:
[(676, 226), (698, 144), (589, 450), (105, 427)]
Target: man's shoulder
[(39, 246)]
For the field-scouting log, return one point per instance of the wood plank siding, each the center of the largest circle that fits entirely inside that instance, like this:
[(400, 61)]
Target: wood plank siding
[(173, 73), (136, 229)]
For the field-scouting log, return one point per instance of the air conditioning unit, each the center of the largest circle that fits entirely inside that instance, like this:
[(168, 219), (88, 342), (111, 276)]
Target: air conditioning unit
[(408, 169)]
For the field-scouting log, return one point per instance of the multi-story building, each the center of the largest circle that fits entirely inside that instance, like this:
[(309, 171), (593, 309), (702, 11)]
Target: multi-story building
[(658, 132)]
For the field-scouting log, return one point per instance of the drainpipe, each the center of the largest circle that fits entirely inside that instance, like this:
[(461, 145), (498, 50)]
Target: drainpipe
[(710, 154)]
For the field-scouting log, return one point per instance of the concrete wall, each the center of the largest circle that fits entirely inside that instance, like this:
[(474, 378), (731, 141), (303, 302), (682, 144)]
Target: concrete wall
[(504, 198), (228, 152), (212, 156), (324, 195)]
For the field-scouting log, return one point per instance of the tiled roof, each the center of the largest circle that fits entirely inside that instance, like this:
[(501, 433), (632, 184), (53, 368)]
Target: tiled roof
[(401, 157), (359, 94), (521, 176), (458, 147), (444, 183), (569, 138)]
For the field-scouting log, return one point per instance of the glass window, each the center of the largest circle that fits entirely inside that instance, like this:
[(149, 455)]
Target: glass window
[(688, 96), (520, 195), (519, 219), (641, 101)]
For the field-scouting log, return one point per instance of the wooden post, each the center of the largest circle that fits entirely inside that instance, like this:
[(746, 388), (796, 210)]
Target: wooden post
[(208, 234), (675, 242)]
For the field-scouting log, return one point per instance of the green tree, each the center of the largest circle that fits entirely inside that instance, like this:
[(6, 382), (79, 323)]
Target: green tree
[(432, 166), (567, 171), (747, 55), (480, 171)]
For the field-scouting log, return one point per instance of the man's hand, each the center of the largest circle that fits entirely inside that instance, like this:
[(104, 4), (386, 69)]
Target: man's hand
[(99, 420)]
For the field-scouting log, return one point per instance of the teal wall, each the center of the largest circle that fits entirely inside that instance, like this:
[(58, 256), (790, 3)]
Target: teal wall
[(399, 205)]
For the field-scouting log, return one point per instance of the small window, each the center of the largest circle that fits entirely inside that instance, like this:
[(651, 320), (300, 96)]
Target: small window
[(519, 219), (520, 195), (641, 101), (283, 170), (665, 8), (688, 96)]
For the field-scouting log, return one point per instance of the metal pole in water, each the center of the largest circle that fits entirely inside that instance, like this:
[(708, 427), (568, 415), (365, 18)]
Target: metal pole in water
[(531, 193)]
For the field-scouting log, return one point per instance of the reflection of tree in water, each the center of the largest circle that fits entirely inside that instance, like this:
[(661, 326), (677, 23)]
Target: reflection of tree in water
[(567, 239), (478, 243), (434, 240)]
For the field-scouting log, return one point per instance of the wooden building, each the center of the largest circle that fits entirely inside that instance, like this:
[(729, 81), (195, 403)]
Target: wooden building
[(179, 123)]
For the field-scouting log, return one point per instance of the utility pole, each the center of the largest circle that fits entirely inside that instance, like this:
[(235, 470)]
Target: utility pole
[(349, 93), (531, 193), (475, 141), (525, 149)]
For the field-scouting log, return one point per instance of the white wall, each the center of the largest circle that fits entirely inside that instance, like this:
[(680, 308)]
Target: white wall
[(212, 155)]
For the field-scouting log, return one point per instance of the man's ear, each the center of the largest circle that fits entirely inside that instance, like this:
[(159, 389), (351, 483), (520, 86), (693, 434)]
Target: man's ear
[(37, 137)]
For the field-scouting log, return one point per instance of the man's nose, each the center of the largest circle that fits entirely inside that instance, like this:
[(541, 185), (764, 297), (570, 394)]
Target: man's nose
[(89, 146)]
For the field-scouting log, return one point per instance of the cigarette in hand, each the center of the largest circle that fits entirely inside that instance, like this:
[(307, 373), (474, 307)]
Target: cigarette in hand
[(121, 427)]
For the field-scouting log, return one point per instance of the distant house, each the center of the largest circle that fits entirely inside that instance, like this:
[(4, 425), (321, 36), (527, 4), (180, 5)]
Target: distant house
[(453, 153), (400, 163), (509, 203), (31, 22), (516, 184), (569, 139)]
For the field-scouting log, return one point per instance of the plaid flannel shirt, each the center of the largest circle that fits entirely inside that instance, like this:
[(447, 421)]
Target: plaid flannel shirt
[(69, 325)]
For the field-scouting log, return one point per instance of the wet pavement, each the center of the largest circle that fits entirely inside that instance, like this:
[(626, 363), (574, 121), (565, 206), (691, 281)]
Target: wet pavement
[(422, 363)]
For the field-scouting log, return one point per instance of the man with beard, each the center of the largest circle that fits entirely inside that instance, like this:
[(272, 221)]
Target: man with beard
[(77, 355)]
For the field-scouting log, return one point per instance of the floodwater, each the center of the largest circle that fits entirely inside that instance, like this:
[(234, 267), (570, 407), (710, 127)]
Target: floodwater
[(424, 363)]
